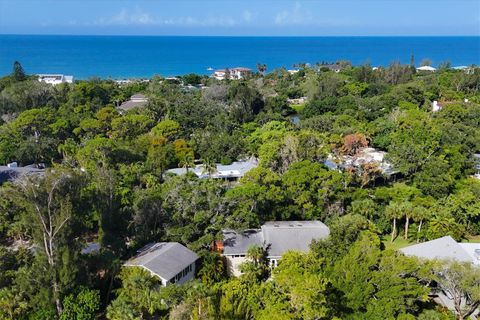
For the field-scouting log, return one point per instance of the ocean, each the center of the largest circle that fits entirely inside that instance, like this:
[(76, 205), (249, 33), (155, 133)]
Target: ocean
[(144, 56)]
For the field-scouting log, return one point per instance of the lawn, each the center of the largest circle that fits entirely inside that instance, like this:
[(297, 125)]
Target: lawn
[(298, 107), (398, 243), (472, 239)]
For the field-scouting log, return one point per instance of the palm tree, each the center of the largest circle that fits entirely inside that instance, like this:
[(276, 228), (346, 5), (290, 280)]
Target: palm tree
[(364, 207), (209, 167), (212, 269), (186, 162), (409, 212), (394, 211), (256, 255), (420, 213)]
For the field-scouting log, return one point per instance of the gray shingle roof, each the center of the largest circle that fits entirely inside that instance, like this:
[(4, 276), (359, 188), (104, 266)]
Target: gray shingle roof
[(441, 248), (13, 173), (138, 96), (283, 236), (238, 242), (128, 105), (165, 259), (276, 237)]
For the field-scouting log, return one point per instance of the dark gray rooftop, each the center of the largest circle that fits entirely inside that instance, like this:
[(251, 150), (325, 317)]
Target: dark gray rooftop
[(276, 237), (238, 242), (13, 173), (165, 259)]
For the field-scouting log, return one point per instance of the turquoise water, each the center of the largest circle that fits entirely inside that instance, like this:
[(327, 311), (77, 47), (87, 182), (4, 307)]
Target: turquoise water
[(144, 56)]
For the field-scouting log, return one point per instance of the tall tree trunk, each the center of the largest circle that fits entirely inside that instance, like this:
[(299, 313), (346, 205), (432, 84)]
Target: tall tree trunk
[(407, 221), (56, 294), (418, 230), (394, 229)]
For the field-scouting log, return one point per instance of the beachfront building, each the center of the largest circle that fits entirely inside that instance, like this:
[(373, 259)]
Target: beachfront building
[(171, 262), (233, 73), (230, 172), (136, 101), (335, 67), (275, 237), (466, 69), (55, 79)]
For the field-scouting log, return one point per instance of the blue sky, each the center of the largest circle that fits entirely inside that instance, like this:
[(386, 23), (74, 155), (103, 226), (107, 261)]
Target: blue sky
[(241, 17)]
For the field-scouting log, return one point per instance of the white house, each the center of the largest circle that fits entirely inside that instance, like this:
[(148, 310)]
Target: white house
[(427, 68), (275, 237), (55, 79), (234, 73), (231, 172), (169, 261), (363, 157)]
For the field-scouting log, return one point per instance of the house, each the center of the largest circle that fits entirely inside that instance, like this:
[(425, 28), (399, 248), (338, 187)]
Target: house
[(169, 261), (12, 172), (466, 69), (234, 73), (330, 67), (445, 248), (55, 79), (275, 237), (426, 69), (297, 101), (136, 101), (366, 156), (231, 172)]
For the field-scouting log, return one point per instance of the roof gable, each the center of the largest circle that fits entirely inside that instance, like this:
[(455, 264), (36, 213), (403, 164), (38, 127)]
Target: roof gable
[(282, 236), (165, 259), (441, 248), (276, 237)]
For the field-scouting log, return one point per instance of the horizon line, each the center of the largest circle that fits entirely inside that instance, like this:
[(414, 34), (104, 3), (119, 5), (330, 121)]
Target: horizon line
[(238, 36)]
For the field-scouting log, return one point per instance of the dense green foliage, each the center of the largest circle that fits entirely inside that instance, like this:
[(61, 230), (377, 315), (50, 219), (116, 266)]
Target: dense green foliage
[(106, 183)]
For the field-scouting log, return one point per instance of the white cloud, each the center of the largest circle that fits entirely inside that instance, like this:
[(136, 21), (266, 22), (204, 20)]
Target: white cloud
[(249, 16), (301, 16), (297, 16), (129, 17), (139, 17)]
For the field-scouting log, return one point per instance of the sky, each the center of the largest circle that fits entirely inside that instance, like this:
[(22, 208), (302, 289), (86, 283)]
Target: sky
[(241, 17)]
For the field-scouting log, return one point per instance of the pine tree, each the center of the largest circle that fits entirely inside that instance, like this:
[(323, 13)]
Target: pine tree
[(18, 74)]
